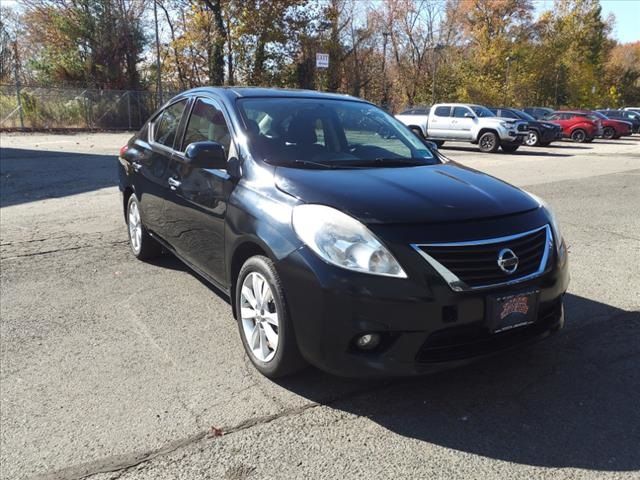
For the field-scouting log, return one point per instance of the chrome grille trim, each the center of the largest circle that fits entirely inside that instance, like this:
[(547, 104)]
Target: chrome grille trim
[(457, 285)]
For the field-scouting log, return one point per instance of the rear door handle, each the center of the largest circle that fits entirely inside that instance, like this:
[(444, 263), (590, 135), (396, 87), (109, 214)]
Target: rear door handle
[(173, 183)]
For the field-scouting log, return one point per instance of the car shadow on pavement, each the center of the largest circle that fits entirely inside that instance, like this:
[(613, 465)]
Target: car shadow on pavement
[(29, 175), (532, 153), (568, 402)]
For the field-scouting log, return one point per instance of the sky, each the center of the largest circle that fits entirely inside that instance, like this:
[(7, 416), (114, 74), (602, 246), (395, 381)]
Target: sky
[(627, 13)]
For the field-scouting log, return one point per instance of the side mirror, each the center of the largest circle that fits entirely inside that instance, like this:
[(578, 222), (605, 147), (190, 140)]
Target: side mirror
[(206, 155), (469, 115)]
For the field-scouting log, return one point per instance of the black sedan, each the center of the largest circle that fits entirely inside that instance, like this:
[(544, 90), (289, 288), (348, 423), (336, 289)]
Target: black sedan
[(541, 133), (341, 239)]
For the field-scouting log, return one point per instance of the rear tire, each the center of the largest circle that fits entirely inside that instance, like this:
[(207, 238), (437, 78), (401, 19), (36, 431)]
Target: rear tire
[(418, 132), (579, 135), (142, 245), (265, 327), (509, 148), (608, 133), (488, 142)]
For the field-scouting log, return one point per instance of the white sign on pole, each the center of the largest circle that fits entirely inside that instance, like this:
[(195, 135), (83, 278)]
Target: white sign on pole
[(322, 60)]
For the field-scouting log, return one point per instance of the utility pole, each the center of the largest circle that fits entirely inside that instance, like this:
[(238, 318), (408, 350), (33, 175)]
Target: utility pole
[(506, 81), (385, 86), (435, 50), (158, 67), (17, 74)]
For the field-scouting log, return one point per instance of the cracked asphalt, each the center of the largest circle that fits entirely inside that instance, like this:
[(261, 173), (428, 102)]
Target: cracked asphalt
[(114, 368)]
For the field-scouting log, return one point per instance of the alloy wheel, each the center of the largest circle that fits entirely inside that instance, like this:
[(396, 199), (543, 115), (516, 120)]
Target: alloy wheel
[(259, 317), (135, 227), (532, 139), (579, 136)]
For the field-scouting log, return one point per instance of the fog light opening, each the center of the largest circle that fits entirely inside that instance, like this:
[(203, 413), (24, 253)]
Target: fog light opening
[(368, 341)]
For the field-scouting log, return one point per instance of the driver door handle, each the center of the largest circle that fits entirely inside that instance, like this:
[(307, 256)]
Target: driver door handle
[(173, 183)]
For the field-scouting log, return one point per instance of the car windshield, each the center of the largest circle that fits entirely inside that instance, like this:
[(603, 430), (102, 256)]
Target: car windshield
[(327, 133), (481, 111), (524, 115)]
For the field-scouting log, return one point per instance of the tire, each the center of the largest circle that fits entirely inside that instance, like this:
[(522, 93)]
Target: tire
[(266, 320), (488, 142), (509, 148), (608, 133), (533, 139), (418, 132), (589, 140), (579, 135), (142, 245)]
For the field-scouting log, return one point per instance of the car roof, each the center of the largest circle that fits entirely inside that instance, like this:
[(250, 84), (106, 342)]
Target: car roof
[(233, 93)]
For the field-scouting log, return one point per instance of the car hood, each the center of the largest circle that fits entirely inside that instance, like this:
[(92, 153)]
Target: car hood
[(548, 124), (423, 194)]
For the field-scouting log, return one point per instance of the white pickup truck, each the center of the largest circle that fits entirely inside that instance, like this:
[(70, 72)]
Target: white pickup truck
[(465, 123)]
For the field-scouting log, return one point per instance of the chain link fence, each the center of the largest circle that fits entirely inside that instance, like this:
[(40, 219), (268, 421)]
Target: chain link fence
[(43, 108)]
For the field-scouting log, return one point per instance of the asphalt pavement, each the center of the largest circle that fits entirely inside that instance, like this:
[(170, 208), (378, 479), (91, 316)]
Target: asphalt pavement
[(115, 368)]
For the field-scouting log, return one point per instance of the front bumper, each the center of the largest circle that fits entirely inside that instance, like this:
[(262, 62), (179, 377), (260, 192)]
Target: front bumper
[(425, 325)]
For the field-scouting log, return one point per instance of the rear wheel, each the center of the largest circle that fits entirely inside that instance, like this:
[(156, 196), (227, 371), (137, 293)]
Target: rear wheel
[(418, 132), (579, 135), (608, 133), (509, 148), (488, 142), (142, 244), (263, 320), (533, 139)]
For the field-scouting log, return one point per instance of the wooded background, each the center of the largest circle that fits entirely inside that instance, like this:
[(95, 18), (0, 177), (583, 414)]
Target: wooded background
[(392, 52)]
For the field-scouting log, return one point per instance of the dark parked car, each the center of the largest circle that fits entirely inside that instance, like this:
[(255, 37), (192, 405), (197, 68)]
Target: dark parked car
[(540, 134), (340, 238), (539, 113), (626, 115)]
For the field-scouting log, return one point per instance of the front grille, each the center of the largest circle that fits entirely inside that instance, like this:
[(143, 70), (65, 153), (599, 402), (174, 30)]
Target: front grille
[(476, 263), (523, 127)]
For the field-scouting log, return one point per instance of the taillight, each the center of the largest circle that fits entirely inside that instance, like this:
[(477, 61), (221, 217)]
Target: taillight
[(123, 150)]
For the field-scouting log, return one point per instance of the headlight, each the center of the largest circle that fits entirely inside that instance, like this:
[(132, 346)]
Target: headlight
[(506, 124), (343, 241), (557, 235)]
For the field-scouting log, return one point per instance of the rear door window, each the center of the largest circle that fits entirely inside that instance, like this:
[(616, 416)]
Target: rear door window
[(442, 111)]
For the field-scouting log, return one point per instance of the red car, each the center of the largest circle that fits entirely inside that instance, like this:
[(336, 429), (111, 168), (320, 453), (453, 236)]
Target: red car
[(612, 128), (576, 125)]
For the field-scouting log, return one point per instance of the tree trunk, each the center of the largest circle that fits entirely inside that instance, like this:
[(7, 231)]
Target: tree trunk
[(216, 58)]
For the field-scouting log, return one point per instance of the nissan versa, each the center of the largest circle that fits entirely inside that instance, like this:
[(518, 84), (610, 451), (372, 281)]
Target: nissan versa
[(341, 238)]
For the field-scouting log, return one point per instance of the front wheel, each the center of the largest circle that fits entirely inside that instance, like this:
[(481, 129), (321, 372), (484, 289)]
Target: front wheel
[(509, 148), (488, 142), (263, 320), (533, 139), (142, 244)]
